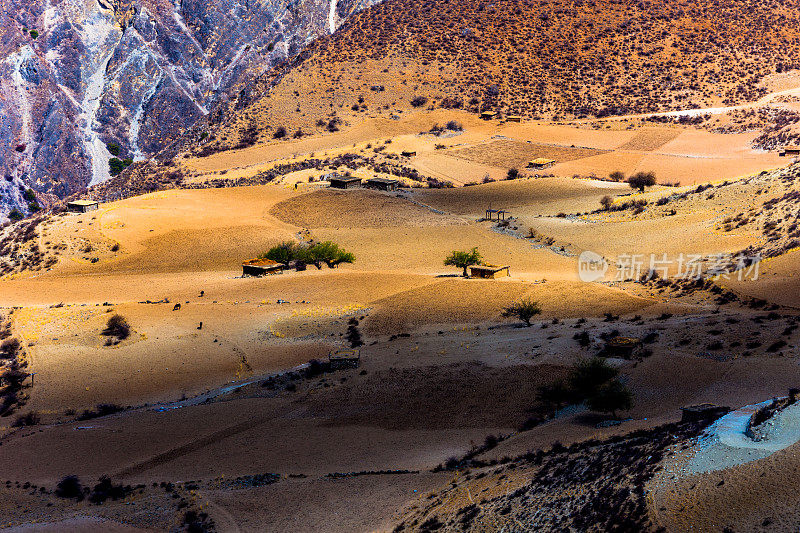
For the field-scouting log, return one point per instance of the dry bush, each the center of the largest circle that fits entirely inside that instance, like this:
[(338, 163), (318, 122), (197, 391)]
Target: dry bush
[(117, 326)]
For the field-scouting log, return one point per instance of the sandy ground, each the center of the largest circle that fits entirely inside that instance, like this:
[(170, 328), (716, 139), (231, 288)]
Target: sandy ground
[(490, 148), (440, 370)]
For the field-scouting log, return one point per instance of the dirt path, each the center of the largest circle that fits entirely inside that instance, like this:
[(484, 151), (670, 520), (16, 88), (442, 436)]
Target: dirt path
[(193, 446)]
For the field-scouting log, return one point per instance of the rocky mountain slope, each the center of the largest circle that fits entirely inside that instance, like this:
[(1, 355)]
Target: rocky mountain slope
[(85, 81), (552, 59)]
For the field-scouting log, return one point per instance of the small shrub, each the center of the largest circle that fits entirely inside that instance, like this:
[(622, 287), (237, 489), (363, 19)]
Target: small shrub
[(117, 326), (29, 419), (103, 409), (617, 175), (69, 487), (9, 348), (524, 310), (419, 101), (105, 490)]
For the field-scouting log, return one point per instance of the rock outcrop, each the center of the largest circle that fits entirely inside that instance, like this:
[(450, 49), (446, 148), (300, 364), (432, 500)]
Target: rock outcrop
[(82, 81)]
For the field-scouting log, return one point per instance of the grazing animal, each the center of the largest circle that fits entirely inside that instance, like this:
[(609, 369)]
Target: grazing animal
[(202, 293), (200, 326), (177, 307)]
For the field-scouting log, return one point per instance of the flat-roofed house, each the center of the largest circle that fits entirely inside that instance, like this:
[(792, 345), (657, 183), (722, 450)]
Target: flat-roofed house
[(262, 267), (383, 184), (623, 347), (342, 359), (345, 182), (82, 206), (489, 271), (790, 151)]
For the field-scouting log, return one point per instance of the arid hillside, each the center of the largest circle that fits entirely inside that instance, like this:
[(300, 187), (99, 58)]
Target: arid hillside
[(520, 57)]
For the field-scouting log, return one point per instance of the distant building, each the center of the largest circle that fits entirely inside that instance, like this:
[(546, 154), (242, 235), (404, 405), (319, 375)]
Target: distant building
[(489, 271), (514, 118), (345, 182), (791, 151), (623, 347), (382, 184), (262, 267), (541, 162), (488, 115), (82, 206), (341, 359)]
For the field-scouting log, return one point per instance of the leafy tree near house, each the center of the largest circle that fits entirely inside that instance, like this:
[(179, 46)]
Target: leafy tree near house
[(326, 252), (282, 253), (462, 259)]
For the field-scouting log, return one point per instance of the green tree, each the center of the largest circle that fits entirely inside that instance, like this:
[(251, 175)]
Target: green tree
[(463, 259), (115, 166), (15, 215), (325, 252), (640, 180), (589, 375), (282, 253), (611, 397), (113, 148), (524, 310)]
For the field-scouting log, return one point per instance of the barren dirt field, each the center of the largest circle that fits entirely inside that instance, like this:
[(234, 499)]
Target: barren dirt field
[(219, 405)]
